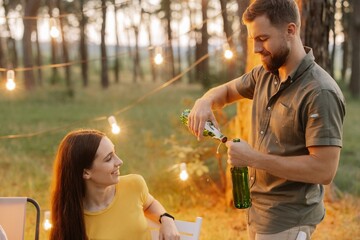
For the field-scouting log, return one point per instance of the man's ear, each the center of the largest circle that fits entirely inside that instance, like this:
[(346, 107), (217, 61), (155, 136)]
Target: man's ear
[(86, 174), (291, 29)]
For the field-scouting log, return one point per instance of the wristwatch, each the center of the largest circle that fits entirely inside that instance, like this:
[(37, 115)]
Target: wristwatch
[(165, 215)]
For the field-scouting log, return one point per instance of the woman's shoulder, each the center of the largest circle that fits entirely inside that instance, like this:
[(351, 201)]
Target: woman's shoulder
[(132, 178)]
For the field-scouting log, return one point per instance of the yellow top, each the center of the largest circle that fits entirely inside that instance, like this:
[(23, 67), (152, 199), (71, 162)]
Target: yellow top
[(124, 218)]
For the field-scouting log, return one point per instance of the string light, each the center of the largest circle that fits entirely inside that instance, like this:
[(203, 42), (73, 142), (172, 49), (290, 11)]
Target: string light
[(54, 31), (47, 221), (158, 59), (115, 129), (228, 54), (183, 172), (10, 80), (124, 109)]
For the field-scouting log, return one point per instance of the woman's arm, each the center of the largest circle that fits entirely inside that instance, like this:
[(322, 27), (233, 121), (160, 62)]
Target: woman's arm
[(153, 209)]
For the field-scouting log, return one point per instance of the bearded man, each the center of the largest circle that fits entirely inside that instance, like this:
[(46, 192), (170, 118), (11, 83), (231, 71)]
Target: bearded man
[(296, 129)]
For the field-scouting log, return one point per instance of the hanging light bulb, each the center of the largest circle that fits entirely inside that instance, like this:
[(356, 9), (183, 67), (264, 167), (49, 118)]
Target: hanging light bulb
[(47, 221), (158, 59), (10, 80), (228, 54), (115, 129), (54, 31), (183, 173)]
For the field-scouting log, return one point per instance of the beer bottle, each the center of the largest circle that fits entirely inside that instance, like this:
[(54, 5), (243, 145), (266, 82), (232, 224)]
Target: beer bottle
[(240, 185), (209, 129)]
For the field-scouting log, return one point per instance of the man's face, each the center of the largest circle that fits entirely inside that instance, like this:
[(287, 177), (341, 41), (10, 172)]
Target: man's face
[(270, 42)]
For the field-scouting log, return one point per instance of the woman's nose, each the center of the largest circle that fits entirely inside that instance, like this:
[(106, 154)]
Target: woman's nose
[(118, 162)]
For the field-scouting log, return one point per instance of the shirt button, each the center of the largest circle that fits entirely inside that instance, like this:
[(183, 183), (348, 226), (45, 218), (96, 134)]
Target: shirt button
[(269, 108), (276, 83), (262, 132)]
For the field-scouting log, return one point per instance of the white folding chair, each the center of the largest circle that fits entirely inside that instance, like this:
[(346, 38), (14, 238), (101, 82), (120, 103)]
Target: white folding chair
[(187, 230), (13, 214)]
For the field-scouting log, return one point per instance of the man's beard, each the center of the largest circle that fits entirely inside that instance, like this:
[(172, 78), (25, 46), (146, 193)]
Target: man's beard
[(275, 61)]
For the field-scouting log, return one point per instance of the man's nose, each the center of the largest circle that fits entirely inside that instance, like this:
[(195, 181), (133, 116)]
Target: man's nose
[(258, 47)]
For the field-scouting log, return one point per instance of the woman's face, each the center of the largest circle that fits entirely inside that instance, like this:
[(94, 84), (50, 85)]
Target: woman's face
[(105, 169)]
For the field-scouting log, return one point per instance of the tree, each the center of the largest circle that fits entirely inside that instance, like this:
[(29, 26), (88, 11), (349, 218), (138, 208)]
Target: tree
[(30, 11), (66, 58), (104, 61), (117, 46), (11, 44), (242, 5), (346, 24), (317, 15), (355, 65), (165, 7), (83, 46), (202, 49), (231, 63)]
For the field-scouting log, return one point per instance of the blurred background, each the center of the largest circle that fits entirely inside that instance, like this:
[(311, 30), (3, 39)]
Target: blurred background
[(66, 65)]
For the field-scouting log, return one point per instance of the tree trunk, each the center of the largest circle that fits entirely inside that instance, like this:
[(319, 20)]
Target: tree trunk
[(202, 70), (68, 81), (151, 48), (30, 10), (83, 47), (189, 52), (242, 5), (355, 65), (54, 50), (346, 22), (231, 63), (170, 51), (104, 61), (117, 46), (317, 14), (38, 59), (11, 43)]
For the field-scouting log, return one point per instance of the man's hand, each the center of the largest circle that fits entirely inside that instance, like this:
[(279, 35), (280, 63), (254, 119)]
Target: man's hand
[(200, 113)]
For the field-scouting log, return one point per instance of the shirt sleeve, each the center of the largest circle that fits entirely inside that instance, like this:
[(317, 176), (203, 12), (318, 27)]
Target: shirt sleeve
[(145, 196), (247, 84), (324, 119)]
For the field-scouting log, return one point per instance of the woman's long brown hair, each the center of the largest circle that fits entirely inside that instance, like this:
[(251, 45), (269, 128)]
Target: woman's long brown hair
[(75, 153)]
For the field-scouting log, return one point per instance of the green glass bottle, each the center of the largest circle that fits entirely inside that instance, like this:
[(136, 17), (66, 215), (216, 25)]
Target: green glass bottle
[(240, 182), (209, 128)]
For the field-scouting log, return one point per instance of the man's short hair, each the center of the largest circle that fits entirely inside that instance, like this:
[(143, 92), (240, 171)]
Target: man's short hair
[(279, 12)]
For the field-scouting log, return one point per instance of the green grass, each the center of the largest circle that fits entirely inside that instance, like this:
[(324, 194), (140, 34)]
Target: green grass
[(26, 163)]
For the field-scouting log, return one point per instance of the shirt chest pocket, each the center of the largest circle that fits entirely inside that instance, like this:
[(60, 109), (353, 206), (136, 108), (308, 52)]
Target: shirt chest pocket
[(282, 123)]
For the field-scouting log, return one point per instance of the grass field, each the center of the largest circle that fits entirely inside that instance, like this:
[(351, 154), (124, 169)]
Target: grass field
[(26, 162)]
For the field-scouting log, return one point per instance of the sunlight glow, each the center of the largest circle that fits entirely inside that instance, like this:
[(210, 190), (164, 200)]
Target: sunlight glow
[(47, 222), (228, 54), (158, 59), (115, 128), (54, 31), (183, 173), (10, 80)]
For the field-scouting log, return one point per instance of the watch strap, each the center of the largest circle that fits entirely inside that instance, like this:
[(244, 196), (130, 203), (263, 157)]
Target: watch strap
[(165, 215)]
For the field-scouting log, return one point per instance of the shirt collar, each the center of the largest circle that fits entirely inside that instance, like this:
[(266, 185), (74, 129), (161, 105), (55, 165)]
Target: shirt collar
[(307, 61)]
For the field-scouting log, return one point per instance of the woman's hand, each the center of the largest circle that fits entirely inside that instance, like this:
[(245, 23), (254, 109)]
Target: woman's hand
[(168, 230)]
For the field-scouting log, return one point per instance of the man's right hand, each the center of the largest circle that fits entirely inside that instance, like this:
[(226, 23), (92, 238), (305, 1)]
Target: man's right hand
[(199, 114)]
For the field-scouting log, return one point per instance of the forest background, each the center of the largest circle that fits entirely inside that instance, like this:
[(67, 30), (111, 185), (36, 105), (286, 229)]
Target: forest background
[(76, 63)]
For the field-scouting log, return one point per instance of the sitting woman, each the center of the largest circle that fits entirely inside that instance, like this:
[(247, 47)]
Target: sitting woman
[(90, 200)]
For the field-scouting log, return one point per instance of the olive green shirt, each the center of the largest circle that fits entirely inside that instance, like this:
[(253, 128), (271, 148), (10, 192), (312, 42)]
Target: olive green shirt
[(305, 110)]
